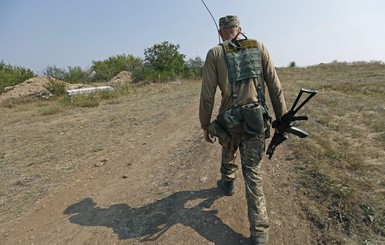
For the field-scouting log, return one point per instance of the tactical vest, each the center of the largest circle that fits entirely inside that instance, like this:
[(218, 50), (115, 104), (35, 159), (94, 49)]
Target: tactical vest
[(244, 62)]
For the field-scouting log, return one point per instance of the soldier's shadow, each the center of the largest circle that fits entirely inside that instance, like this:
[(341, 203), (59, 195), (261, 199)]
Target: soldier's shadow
[(147, 223)]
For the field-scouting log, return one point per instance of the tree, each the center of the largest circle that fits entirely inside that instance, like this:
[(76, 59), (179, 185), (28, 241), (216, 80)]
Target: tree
[(195, 66), (74, 74), (77, 75), (55, 72), (165, 58), (292, 64)]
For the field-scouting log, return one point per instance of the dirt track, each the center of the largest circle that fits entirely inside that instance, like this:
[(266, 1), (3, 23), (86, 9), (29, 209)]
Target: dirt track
[(138, 172)]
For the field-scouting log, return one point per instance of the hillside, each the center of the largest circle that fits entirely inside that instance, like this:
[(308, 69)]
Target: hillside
[(136, 170)]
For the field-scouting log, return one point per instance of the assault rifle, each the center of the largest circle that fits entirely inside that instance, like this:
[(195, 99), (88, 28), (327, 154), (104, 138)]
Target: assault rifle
[(285, 124)]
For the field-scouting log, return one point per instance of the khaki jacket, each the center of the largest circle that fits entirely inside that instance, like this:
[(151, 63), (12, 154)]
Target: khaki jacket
[(215, 75)]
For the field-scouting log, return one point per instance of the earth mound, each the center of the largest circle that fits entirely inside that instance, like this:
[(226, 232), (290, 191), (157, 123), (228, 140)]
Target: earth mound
[(38, 87)]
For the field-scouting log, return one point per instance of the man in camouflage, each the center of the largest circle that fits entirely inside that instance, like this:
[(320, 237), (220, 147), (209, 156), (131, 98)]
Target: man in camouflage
[(251, 148)]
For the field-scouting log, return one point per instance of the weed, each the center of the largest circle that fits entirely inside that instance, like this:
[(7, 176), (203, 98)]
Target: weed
[(56, 87), (13, 102), (52, 109), (83, 100)]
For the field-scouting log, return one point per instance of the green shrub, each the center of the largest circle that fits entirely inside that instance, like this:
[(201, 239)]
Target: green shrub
[(292, 64), (55, 72), (72, 75), (56, 87), (84, 100), (52, 109), (13, 75), (105, 70)]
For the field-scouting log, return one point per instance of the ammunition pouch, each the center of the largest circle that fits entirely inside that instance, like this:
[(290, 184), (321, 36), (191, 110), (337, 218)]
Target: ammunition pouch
[(254, 118), (232, 117), (218, 129)]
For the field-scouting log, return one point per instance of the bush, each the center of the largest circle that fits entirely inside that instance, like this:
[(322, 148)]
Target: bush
[(55, 72), (73, 75), (105, 70), (56, 87), (292, 64), (13, 75), (78, 75), (194, 68)]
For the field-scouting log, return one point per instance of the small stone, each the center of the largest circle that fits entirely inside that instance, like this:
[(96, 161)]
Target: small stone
[(203, 179), (125, 176), (101, 163)]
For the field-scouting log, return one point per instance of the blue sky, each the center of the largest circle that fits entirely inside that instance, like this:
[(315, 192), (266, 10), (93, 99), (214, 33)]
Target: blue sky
[(40, 33)]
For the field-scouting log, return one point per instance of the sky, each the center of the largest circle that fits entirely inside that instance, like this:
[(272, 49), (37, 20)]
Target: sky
[(41, 33)]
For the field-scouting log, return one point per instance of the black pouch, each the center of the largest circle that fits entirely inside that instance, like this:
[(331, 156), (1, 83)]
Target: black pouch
[(215, 128), (253, 118)]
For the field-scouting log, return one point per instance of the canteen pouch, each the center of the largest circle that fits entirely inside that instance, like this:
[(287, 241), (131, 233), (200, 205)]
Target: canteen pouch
[(253, 120)]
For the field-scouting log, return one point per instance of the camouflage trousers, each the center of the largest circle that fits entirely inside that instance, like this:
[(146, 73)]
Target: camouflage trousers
[(251, 151)]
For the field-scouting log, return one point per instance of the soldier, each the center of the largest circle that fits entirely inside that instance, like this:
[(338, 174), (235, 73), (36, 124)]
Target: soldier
[(241, 68)]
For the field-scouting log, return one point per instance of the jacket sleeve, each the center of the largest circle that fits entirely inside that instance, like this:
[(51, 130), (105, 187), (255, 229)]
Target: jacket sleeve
[(208, 89), (273, 84)]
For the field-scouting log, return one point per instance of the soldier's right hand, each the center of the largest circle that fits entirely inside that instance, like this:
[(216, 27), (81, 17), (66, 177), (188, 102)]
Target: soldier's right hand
[(208, 137)]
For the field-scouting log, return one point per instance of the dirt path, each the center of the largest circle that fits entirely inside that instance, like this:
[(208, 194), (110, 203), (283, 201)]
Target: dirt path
[(155, 185)]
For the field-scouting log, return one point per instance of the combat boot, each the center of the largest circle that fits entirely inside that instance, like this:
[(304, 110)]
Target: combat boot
[(259, 239), (227, 187)]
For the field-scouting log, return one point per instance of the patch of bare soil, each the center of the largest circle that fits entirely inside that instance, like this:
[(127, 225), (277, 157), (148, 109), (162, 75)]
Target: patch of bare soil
[(137, 172)]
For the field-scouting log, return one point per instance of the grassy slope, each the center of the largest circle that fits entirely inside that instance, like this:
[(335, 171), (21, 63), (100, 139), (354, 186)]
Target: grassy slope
[(340, 166)]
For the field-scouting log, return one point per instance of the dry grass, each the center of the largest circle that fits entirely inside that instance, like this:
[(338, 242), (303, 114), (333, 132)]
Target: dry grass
[(341, 165)]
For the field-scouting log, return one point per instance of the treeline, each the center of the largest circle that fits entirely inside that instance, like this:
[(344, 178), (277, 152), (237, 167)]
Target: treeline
[(162, 62), (12, 75)]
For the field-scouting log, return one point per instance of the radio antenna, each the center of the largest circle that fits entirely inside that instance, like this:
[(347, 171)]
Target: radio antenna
[(219, 37)]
